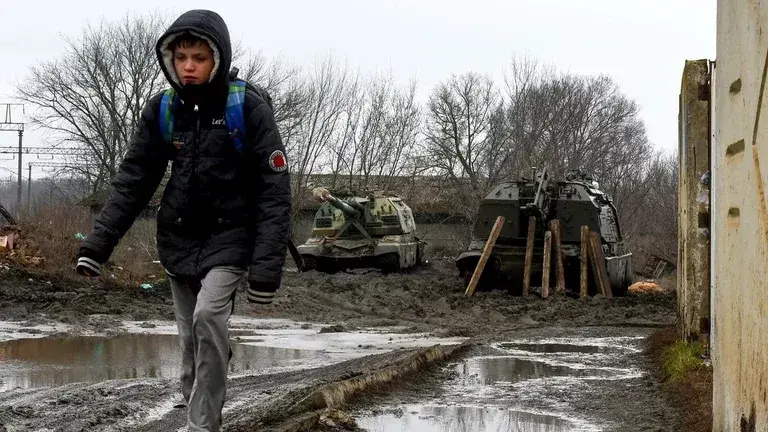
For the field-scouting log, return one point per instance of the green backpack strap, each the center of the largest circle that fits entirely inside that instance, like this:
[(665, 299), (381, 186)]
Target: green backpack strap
[(233, 114), (165, 118)]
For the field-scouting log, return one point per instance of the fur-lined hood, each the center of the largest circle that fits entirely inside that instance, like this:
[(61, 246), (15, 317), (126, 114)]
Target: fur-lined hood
[(208, 25)]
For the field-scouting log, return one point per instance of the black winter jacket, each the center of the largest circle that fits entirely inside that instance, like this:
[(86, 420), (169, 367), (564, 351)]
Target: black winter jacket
[(219, 207)]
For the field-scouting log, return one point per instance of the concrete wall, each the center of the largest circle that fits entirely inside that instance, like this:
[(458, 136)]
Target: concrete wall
[(693, 210), (739, 219)]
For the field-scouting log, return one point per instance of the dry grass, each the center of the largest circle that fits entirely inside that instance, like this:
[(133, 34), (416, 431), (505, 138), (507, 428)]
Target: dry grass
[(134, 258), (48, 232), (49, 243)]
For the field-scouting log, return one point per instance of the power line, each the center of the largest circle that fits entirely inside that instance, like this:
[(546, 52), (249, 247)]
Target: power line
[(54, 165), (65, 151)]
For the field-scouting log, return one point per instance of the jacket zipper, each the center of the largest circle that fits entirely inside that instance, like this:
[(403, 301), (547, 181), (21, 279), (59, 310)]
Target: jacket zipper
[(195, 157)]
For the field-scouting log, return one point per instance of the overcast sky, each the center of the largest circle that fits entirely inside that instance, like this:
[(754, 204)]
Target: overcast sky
[(641, 44)]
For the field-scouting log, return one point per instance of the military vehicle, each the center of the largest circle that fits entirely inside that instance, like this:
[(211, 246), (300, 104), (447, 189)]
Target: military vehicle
[(575, 200), (371, 230)]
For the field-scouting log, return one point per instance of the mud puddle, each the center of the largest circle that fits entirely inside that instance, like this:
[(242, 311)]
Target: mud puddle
[(54, 362), (49, 357), (464, 418), (518, 385)]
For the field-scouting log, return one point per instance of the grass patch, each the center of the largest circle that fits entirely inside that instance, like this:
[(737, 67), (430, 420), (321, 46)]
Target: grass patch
[(686, 378), (680, 358)]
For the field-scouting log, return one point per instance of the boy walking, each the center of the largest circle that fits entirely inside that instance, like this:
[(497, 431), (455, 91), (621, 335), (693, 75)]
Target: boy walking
[(224, 215)]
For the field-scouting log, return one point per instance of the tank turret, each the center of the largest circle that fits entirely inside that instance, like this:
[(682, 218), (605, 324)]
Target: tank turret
[(371, 230)]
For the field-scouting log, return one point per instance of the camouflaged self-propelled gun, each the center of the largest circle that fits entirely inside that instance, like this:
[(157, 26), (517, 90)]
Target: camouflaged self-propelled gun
[(575, 200), (373, 230)]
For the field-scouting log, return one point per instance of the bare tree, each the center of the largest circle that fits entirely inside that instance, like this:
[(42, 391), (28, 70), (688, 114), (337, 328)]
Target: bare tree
[(326, 93), (281, 80), (650, 219), (380, 136), (343, 150), (92, 96), (401, 135), (458, 134)]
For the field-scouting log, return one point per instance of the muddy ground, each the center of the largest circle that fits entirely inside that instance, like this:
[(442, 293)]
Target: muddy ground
[(429, 299)]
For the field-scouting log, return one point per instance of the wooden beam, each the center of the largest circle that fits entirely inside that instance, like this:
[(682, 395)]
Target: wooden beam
[(484, 256), (598, 265), (545, 267), (557, 235), (529, 255), (584, 260)]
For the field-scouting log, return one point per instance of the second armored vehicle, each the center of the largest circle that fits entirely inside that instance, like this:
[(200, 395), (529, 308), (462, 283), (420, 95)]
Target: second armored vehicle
[(575, 201), (375, 230)]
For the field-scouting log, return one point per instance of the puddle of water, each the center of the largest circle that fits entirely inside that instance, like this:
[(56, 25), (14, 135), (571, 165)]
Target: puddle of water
[(30, 357), (527, 388), (551, 348), (463, 419), (306, 336), (494, 370), (50, 362)]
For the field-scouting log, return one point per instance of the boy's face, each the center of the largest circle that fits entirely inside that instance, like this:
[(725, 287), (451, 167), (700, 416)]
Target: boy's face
[(193, 63)]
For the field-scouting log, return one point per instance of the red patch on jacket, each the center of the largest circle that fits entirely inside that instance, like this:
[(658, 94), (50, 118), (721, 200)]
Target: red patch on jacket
[(277, 161)]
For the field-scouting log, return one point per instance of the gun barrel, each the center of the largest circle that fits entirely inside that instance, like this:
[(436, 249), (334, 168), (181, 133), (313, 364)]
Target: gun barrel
[(341, 205), (324, 195), (537, 206)]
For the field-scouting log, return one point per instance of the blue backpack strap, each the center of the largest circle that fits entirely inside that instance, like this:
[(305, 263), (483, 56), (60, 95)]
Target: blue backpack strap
[(233, 114), (165, 116)]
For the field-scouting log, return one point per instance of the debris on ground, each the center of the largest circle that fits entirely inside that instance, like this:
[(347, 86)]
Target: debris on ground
[(646, 287)]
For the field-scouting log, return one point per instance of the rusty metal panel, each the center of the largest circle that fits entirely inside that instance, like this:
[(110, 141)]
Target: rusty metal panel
[(740, 219)]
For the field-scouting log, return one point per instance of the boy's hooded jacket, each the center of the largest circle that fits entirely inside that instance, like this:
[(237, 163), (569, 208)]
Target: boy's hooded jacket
[(219, 207)]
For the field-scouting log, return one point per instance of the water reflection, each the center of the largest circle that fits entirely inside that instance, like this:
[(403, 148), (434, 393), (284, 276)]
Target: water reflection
[(488, 371), (57, 361), (551, 348), (464, 419)]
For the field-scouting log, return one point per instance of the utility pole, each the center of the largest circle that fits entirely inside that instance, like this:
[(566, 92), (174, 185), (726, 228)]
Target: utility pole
[(29, 189), (18, 190), (9, 125)]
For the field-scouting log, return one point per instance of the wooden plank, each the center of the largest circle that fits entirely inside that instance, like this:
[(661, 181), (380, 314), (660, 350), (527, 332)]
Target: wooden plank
[(545, 267), (557, 236), (529, 255), (584, 260), (484, 256), (598, 265)]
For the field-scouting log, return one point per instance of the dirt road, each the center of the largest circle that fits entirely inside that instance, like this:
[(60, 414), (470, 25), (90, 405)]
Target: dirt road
[(429, 300)]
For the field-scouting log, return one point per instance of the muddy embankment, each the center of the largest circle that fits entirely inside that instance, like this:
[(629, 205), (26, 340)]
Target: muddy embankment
[(429, 300)]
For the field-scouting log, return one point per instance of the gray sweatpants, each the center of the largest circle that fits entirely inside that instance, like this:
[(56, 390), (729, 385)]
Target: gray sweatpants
[(202, 308)]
